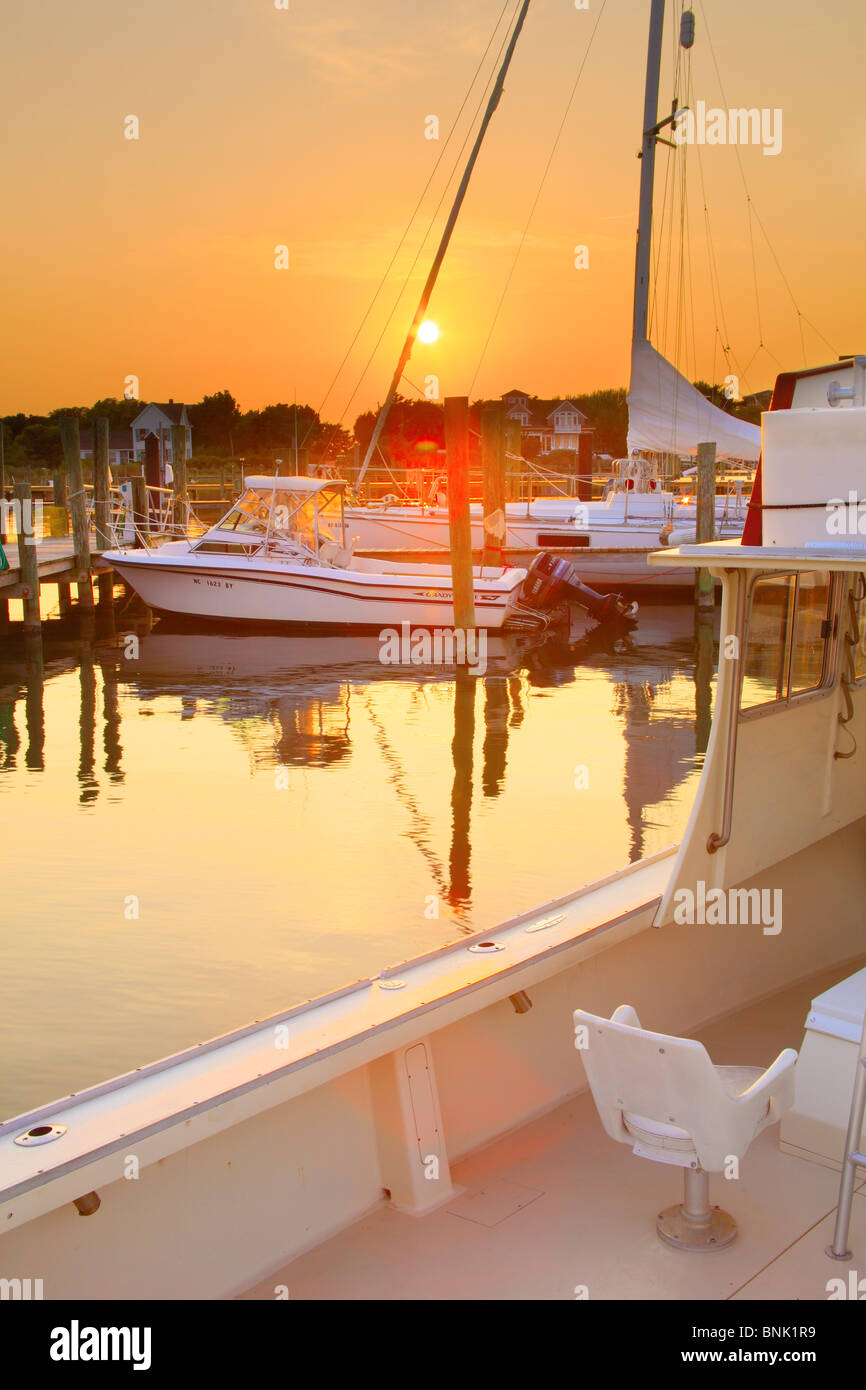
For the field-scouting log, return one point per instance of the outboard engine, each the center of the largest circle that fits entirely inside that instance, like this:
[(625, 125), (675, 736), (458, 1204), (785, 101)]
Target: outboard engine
[(550, 581)]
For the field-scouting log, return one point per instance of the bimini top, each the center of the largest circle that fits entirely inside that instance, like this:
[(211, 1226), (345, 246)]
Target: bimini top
[(293, 484)]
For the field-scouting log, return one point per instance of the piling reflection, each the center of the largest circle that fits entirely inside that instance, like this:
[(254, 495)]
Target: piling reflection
[(87, 725), (462, 746), (34, 678), (112, 746)]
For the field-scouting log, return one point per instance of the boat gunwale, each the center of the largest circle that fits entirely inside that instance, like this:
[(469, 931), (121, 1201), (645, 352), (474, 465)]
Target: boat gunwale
[(489, 970)]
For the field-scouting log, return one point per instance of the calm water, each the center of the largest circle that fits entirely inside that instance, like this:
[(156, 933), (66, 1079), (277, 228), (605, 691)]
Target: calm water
[(224, 827)]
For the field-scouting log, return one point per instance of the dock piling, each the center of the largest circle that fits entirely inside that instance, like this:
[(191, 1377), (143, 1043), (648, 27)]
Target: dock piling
[(27, 562), (457, 458), (70, 438), (493, 483), (514, 459), (102, 513), (60, 527), (140, 511), (179, 476), (706, 520)]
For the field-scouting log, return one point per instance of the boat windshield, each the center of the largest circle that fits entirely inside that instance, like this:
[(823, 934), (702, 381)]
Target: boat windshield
[(285, 515), (301, 517), (249, 516)]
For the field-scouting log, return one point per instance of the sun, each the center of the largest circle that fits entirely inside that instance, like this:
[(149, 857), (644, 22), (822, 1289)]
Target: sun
[(428, 331)]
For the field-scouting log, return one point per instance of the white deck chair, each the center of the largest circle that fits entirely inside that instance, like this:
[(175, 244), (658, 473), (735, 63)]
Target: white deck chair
[(663, 1096)]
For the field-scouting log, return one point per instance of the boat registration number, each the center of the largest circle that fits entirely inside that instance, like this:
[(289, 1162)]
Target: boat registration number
[(214, 583)]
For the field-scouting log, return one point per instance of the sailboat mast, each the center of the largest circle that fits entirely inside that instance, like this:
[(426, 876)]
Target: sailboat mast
[(443, 244), (647, 172)]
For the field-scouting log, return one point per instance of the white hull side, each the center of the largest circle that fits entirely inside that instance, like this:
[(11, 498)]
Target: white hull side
[(311, 596), (548, 527), (311, 1151)]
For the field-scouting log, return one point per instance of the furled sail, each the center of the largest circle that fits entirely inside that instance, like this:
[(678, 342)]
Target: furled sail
[(667, 414)]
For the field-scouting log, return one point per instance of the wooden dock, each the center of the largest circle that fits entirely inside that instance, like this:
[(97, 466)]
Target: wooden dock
[(55, 564)]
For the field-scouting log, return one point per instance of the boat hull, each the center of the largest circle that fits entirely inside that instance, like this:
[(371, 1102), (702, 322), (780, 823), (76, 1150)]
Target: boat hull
[(305, 596)]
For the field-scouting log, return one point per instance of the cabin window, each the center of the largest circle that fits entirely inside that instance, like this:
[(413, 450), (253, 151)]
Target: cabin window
[(787, 641), (228, 548)]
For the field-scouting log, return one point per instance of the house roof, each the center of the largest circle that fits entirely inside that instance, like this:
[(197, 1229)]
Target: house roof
[(117, 439), (172, 410), (541, 412)]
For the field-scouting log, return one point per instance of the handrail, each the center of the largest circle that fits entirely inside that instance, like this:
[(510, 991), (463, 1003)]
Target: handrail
[(718, 841)]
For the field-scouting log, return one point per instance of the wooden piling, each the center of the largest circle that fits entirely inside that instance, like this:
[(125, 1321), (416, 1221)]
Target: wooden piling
[(101, 483), (493, 483), (60, 527), (28, 564), (102, 518), (140, 513), (180, 491), (514, 461), (70, 438), (706, 520), (457, 458), (584, 465)]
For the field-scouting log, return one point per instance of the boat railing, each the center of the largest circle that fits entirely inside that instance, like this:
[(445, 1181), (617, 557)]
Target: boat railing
[(167, 517)]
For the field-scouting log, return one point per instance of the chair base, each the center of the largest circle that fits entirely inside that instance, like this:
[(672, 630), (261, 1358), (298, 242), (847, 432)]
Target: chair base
[(715, 1230)]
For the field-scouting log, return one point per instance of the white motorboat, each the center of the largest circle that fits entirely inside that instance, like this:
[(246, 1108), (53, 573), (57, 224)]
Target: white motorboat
[(280, 555)]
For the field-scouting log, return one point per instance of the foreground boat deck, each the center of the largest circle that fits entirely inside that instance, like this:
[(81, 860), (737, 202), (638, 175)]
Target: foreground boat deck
[(556, 1205)]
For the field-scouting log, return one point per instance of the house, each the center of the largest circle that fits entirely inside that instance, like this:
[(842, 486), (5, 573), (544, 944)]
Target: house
[(120, 448), (555, 424), (157, 419)]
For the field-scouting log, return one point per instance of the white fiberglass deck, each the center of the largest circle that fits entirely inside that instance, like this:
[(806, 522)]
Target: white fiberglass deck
[(557, 1205)]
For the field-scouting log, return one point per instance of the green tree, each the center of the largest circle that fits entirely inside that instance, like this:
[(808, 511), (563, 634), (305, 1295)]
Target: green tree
[(214, 419)]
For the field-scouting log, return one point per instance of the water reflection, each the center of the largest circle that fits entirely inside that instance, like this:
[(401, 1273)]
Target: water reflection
[(289, 701), (366, 813)]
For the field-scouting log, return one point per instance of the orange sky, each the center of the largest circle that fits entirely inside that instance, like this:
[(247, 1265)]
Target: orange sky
[(261, 126)]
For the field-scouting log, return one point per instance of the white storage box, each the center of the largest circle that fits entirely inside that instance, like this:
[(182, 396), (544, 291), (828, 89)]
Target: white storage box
[(817, 1125)]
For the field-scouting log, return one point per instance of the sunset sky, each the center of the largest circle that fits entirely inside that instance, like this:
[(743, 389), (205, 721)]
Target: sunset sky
[(261, 126)]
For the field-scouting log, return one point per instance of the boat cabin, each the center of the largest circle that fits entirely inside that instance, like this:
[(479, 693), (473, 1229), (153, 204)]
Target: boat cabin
[(296, 516)]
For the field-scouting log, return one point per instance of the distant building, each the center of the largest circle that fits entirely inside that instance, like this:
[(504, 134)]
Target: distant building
[(120, 450), (759, 399), (555, 424), (157, 419)]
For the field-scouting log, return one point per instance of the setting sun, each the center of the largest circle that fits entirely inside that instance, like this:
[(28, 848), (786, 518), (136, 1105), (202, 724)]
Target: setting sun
[(428, 332)]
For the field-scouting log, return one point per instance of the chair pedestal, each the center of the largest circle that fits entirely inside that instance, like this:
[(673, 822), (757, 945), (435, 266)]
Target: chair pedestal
[(693, 1224)]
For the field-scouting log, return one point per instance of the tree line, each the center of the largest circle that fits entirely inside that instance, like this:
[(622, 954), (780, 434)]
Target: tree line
[(413, 433)]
